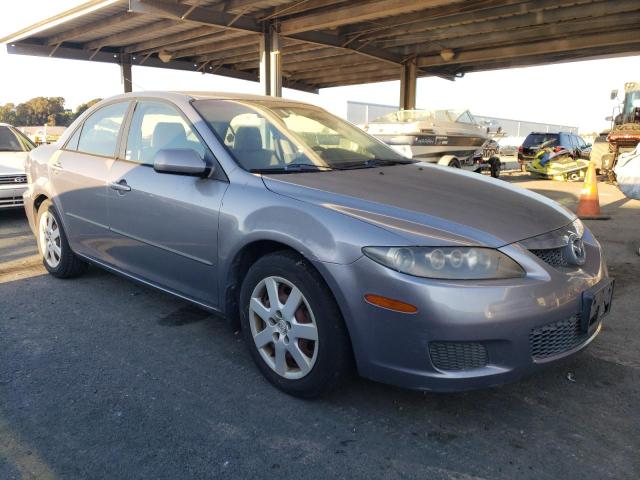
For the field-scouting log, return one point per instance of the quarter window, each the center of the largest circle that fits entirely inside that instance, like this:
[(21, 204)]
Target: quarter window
[(157, 126), (100, 131), (72, 144)]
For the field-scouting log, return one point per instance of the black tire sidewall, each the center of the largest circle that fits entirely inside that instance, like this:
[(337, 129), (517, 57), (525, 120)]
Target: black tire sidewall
[(495, 168), (334, 349)]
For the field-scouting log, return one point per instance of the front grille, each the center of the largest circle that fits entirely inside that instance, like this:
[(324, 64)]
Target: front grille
[(556, 338), (17, 180), (11, 202), (458, 355), (553, 256)]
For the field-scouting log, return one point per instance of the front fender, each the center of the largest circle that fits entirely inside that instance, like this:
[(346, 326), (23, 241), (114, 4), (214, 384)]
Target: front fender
[(251, 213)]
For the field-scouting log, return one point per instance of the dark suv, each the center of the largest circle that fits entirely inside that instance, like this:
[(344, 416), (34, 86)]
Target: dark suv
[(572, 142)]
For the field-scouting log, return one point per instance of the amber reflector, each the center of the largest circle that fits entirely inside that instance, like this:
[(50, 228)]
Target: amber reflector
[(390, 303)]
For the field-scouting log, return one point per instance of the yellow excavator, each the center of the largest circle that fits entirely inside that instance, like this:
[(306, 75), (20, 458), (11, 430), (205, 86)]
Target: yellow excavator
[(625, 132)]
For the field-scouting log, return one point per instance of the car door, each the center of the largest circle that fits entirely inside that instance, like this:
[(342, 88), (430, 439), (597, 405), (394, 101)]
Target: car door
[(78, 173), (585, 150), (166, 225)]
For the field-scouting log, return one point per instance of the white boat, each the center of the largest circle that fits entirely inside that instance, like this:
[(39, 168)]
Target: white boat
[(447, 137)]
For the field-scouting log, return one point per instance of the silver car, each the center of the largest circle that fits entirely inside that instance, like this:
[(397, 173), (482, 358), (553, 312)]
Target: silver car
[(329, 249), (14, 148)]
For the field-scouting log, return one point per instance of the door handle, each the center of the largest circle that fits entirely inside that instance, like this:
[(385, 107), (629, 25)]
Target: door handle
[(120, 186), (56, 166)]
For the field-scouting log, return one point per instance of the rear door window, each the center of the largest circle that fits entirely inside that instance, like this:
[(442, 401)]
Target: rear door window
[(535, 139), (101, 130)]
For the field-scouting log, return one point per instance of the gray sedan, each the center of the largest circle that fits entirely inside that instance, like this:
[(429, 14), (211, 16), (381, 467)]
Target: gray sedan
[(330, 251)]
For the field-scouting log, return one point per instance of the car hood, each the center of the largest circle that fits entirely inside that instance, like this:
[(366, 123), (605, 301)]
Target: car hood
[(12, 162), (429, 205)]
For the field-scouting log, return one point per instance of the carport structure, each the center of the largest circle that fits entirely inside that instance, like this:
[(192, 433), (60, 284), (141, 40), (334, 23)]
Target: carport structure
[(313, 44)]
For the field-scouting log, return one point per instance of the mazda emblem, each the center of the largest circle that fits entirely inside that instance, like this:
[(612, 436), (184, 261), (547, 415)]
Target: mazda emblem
[(575, 251)]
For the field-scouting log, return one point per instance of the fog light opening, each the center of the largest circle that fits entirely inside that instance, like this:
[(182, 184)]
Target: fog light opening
[(390, 303)]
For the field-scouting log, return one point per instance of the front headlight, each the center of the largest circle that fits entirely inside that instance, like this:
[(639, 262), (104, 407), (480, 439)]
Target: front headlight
[(447, 263)]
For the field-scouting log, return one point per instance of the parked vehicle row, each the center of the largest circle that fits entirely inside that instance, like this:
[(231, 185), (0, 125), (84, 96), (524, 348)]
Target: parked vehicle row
[(14, 147), (329, 249)]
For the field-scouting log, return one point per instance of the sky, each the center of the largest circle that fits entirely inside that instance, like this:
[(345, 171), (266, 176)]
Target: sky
[(573, 94)]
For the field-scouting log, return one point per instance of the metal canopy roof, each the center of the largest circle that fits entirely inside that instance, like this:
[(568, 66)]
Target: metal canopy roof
[(327, 43)]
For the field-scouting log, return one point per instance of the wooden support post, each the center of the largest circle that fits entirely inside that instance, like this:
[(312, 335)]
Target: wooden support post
[(408, 80)]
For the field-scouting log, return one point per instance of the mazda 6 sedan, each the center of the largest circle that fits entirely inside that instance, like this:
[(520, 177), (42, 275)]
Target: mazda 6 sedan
[(331, 251)]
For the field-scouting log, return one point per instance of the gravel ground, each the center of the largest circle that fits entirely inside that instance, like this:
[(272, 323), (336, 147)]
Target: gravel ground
[(103, 378)]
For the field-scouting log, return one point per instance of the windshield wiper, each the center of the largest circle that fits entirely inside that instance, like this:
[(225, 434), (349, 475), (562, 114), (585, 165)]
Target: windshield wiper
[(292, 168), (375, 162)]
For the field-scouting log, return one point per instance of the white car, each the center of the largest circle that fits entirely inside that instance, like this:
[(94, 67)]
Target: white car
[(14, 148)]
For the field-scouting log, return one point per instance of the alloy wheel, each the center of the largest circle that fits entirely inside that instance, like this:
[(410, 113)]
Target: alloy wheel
[(50, 241), (283, 327)]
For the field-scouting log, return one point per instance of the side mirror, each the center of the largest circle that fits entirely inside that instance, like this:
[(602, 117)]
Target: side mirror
[(180, 161), (614, 94)]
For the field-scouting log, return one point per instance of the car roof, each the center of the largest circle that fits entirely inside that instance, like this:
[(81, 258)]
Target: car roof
[(195, 95), (552, 133)]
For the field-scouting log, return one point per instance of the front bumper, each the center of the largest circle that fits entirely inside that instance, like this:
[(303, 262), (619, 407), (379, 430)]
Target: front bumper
[(11, 197), (455, 317)]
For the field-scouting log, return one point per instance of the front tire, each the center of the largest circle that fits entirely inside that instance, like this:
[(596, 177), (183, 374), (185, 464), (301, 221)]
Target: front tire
[(293, 326), (57, 256)]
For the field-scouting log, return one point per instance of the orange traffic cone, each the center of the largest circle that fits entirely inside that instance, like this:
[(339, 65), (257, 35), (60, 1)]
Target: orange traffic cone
[(589, 204)]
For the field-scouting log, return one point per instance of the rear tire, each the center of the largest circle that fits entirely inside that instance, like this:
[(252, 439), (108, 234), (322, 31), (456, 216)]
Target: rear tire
[(495, 167), (300, 345), (57, 256)]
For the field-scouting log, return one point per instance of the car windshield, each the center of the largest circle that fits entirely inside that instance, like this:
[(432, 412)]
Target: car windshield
[(14, 141), (282, 137), (535, 139)]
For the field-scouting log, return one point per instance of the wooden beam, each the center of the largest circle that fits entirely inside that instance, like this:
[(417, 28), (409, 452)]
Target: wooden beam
[(208, 16), (528, 34), (341, 71), (536, 60), (337, 61), (127, 36), (162, 41), (564, 17), (356, 81), (355, 78), (355, 12), (75, 53), (93, 27), (297, 7), (195, 42), (291, 53), (241, 54), (453, 15), (220, 46), (542, 47)]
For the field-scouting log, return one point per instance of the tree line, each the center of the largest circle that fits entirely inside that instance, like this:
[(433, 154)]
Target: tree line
[(41, 111)]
